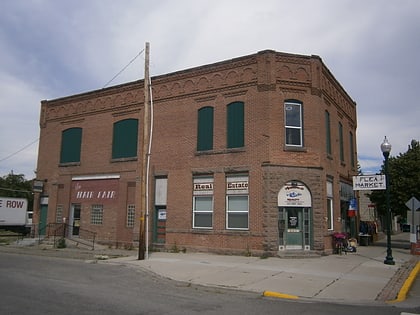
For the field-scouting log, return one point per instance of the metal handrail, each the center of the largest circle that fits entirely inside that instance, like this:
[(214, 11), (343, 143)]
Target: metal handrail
[(62, 230)]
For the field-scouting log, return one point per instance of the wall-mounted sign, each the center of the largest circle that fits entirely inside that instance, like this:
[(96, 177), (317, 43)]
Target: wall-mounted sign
[(237, 185), (294, 194), (38, 186), (161, 214), (369, 182), (95, 190), (203, 186)]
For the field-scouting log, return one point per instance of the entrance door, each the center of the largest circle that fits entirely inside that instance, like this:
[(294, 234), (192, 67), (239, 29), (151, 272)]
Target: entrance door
[(75, 220), (295, 228), (160, 225), (42, 226)]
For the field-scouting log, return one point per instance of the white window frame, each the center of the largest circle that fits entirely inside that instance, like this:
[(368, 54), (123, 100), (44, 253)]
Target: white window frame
[(237, 186), (229, 211), (203, 188), (330, 206), (300, 127), (197, 212)]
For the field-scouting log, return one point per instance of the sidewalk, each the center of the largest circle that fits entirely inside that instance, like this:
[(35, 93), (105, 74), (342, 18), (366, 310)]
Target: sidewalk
[(357, 278)]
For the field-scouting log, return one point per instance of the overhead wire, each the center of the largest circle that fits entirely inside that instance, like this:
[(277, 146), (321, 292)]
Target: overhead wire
[(37, 139), (20, 150), (115, 76)]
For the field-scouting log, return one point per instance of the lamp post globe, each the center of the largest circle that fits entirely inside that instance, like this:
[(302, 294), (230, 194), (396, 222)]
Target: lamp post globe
[(386, 149)]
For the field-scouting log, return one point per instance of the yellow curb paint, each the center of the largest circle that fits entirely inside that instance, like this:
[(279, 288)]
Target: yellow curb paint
[(402, 295), (280, 295)]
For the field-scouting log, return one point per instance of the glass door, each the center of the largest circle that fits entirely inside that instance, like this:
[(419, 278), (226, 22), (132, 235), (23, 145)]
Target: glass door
[(295, 228)]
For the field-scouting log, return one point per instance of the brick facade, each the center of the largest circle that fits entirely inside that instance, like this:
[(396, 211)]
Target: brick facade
[(262, 82)]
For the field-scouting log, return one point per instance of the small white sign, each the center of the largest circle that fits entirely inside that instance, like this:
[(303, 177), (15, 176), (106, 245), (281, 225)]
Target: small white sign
[(369, 182), (162, 214)]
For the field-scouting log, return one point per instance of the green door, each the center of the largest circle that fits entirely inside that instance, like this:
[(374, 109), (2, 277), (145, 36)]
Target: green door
[(159, 230), (295, 228), (42, 226)]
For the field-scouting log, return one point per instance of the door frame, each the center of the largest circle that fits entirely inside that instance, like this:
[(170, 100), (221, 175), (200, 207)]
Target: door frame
[(72, 219), (295, 195)]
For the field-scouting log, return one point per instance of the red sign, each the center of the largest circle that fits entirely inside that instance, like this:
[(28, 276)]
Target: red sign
[(99, 191)]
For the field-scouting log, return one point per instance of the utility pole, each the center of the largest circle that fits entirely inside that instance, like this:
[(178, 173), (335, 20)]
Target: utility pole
[(144, 160)]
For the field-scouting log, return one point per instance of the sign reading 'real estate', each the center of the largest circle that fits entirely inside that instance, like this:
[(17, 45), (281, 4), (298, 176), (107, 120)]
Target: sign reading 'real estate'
[(369, 182)]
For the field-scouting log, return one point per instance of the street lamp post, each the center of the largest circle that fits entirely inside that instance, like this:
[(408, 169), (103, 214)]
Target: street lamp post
[(386, 149)]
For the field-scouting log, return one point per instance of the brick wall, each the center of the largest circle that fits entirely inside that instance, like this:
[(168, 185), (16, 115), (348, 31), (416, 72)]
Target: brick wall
[(263, 82)]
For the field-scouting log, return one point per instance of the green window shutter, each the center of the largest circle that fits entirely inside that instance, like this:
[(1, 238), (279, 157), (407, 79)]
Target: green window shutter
[(328, 132), (235, 125), (340, 134), (205, 129), (352, 161), (124, 141), (71, 143)]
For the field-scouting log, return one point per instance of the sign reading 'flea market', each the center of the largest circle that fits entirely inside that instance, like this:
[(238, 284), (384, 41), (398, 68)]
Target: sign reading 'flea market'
[(369, 182)]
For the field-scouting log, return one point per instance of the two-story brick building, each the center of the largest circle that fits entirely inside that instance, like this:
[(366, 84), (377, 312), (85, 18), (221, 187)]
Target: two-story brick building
[(254, 154)]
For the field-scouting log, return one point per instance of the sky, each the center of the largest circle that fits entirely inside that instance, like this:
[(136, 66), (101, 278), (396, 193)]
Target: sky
[(51, 49)]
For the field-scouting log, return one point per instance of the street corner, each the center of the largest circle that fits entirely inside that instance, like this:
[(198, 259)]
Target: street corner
[(402, 294)]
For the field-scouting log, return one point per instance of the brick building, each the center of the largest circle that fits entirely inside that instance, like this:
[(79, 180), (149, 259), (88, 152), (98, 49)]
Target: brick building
[(254, 154)]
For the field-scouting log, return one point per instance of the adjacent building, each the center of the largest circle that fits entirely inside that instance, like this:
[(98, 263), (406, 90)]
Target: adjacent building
[(250, 155)]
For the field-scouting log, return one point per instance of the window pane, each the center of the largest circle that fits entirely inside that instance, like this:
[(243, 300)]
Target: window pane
[(292, 115), (293, 136), (293, 123), (237, 216), (238, 203), (96, 214), (131, 213), (329, 214), (205, 129), (203, 219), (203, 203), (238, 220)]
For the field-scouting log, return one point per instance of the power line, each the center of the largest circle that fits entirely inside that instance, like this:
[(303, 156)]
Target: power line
[(13, 154), (16, 190), (132, 60), (28, 145)]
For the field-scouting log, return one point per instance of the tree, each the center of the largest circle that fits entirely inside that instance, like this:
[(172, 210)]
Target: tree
[(16, 186), (404, 181)]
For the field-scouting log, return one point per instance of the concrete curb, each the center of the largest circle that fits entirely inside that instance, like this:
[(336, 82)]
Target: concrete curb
[(402, 294)]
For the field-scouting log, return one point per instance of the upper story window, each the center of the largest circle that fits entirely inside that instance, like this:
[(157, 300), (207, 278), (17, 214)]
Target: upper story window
[(235, 125), (340, 135), (328, 132), (124, 140), (205, 129), (71, 143), (293, 123)]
